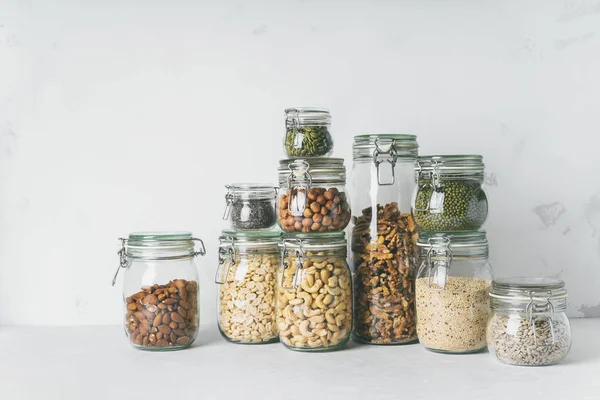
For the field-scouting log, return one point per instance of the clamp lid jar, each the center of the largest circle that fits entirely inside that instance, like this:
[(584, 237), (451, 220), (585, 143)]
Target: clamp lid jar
[(452, 285), (248, 263), (313, 195), (448, 195), (250, 206), (160, 289), (529, 324), (307, 132), (314, 302)]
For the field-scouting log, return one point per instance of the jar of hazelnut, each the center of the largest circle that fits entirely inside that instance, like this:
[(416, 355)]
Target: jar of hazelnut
[(313, 196)]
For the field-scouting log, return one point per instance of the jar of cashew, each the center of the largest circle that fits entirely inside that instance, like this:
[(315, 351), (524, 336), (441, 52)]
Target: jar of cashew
[(314, 301), (246, 276)]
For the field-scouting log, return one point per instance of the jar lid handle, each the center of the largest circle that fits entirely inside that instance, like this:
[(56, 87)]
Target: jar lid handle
[(123, 261)]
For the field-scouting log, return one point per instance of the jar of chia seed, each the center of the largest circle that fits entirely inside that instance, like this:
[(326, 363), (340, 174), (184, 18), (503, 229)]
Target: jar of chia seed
[(448, 195), (452, 286), (307, 132), (529, 324), (250, 206), (312, 196)]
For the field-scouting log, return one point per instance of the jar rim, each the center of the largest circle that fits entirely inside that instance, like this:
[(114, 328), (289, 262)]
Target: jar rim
[(320, 240), (528, 288), (307, 116), (365, 145), (252, 190), (152, 245), (451, 165), (257, 238), (459, 239), (321, 169)]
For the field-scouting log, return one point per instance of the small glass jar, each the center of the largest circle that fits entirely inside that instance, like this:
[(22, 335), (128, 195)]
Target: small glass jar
[(448, 196), (160, 289), (247, 278), (307, 132), (452, 291), (250, 206), (384, 249), (312, 195), (529, 324), (314, 302)]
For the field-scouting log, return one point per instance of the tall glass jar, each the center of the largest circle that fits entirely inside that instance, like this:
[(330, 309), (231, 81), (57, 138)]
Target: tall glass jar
[(452, 291), (307, 132), (529, 324), (250, 206), (312, 195), (160, 289), (449, 196), (314, 302), (384, 248), (247, 272)]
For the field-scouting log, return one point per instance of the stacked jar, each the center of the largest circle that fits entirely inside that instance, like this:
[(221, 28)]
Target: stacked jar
[(248, 262), (384, 238), (314, 300), (454, 277)]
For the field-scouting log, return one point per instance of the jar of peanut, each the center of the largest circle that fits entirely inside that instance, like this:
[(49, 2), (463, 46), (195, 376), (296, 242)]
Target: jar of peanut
[(160, 289), (246, 276), (314, 301), (313, 196)]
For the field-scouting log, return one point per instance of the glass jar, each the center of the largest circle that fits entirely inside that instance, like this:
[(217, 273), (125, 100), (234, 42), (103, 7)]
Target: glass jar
[(529, 324), (247, 272), (452, 291), (314, 302), (160, 289), (250, 206), (384, 251), (307, 132), (312, 195), (449, 196)]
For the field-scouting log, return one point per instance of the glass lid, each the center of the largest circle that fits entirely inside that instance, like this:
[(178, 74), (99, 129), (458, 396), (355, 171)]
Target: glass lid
[(250, 237), (323, 240), (449, 165), (307, 116), (525, 288), (364, 146), (315, 169)]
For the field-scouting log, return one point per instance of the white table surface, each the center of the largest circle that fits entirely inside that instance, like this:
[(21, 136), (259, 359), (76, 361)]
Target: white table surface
[(98, 363)]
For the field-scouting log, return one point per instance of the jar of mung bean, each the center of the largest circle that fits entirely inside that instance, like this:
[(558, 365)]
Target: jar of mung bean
[(248, 263), (160, 289), (307, 132), (452, 288), (529, 324), (314, 302), (312, 196), (448, 195), (250, 206)]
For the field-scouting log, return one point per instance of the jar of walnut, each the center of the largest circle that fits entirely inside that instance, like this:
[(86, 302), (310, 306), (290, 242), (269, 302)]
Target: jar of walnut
[(384, 236), (314, 301), (248, 263), (313, 196), (160, 289)]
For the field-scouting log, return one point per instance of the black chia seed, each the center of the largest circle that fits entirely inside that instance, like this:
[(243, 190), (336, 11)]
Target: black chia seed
[(252, 214)]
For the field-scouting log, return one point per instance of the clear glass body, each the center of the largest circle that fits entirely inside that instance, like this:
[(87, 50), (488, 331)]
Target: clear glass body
[(314, 304), (250, 206), (458, 204), (384, 252), (247, 297), (453, 302), (161, 303), (307, 133)]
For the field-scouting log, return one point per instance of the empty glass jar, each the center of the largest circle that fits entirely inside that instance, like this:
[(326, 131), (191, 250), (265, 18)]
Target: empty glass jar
[(248, 263), (529, 324), (452, 291), (449, 196), (307, 132), (314, 302), (160, 289), (250, 206), (384, 236), (312, 195)]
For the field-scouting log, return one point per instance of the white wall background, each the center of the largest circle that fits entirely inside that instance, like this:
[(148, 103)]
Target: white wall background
[(117, 116)]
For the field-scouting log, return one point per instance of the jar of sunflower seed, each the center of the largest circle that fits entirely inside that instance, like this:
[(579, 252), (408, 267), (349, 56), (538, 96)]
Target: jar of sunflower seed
[(307, 132), (448, 196), (246, 276)]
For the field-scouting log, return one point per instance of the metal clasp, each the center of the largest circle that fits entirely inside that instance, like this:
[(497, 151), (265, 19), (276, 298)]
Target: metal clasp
[(440, 274), (123, 261), (300, 258), (532, 308), (393, 156), (298, 134), (435, 203), (226, 251), (298, 186), (228, 202)]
